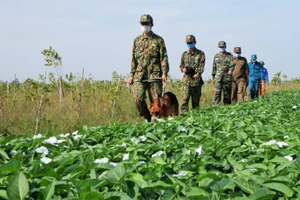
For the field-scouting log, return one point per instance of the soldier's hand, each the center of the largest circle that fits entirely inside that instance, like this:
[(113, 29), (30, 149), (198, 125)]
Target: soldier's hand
[(130, 80), (213, 82), (229, 72), (196, 75), (184, 70), (164, 78)]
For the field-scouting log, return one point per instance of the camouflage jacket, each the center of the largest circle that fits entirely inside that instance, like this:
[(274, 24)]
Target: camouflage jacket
[(223, 62), (195, 62), (149, 58)]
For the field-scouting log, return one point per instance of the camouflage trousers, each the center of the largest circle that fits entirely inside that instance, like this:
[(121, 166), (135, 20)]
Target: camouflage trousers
[(193, 92), (262, 88), (154, 90), (238, 90), (225, 87)]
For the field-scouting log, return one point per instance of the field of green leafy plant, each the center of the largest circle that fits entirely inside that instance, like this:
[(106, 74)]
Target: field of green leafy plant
[(237, 152)]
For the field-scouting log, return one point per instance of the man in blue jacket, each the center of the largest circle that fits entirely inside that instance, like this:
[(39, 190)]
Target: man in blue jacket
[(255, 76)]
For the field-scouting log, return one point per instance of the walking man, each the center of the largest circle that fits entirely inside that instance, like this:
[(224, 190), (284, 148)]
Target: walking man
[(255, 76), (149, 66), (239, 76), (192, 66), (223, 65)]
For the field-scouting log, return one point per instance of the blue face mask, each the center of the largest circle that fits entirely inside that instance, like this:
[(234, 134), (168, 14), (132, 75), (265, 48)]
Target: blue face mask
[(237, 55), (222, 49), (191, 46), (253, 60)]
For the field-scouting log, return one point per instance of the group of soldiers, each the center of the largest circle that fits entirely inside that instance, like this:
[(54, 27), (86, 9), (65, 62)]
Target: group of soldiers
[(231, 74)]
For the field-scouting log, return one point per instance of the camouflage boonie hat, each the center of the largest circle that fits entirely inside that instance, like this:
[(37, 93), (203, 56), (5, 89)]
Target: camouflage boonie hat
[(237, 50), (190, 38), (222, 44), (146, 18), (262, 62)]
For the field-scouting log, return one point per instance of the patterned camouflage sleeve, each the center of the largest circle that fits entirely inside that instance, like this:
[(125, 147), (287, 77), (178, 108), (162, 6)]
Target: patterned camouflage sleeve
[(214, 68), (232, 63), (182, 62), (202, 64), (133, 61), (164, 58)]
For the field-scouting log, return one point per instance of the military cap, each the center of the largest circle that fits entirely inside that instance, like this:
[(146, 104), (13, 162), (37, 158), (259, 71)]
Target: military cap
[(190, 38), (237, 50), (222, 44), (146, 18), (262, 62)]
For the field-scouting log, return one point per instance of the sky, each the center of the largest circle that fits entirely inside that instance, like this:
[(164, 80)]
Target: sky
[(97, 35)]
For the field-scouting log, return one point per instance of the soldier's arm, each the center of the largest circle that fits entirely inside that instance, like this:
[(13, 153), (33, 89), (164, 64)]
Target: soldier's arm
[(232, 64), (267, 75), (246, 70), (214, 69), (181, 66), (164, 58), (133, 61), (200, 70)]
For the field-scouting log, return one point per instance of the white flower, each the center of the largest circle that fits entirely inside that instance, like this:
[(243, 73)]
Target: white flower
[(122, 145), (64, 135), (159, 153), (232, 113), (170, 118), (74, 133), (53, 140), (134, 140), (181, 174), (282, 144), (46, 160), (139, 163), (271, 142), (143, 138), (199, 150), (126, 156), (294, 107), (182, 128), (255, 101), (38, 136), (42, 150), (101, 161), (243, 160), (76, 137), (113, 163), (290, 158), (286, 136), (13, 152)]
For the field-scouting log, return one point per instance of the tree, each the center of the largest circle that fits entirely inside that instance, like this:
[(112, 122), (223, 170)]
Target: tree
[(54, 60)]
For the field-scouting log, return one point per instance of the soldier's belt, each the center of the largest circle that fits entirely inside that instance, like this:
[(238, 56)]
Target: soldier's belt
[(150, 80)]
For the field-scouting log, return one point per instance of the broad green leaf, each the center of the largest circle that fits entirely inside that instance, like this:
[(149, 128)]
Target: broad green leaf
[(132, 189), (116, 175), (3, 194), (279, 187), (159, 160), (18, 187), (282, 179), (169, 194), (157, 185), (262, 194), (222, 185), (91, 195), (4, 154), (278, 160), (257, 165), (138, 178), (47, 192), (196, 192), (121, 195), (234, 164), (11, 166), (247, 186)]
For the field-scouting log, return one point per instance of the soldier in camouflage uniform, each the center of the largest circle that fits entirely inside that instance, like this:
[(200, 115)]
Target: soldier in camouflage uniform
[(149, 66), (192, 65), (240, 76), (223, 66)]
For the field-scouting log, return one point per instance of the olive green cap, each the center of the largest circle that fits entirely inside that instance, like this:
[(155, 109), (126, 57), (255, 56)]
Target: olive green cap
[(190, 38)]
